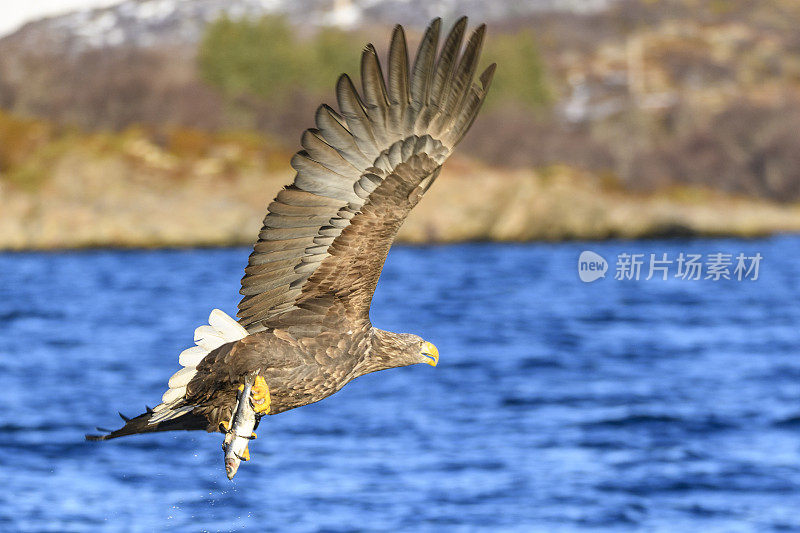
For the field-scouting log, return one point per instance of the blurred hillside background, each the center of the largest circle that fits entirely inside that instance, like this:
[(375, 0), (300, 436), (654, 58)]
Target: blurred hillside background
[(172, 122)]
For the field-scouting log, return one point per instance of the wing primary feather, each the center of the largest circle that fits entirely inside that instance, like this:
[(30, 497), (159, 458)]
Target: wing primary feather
[(336, 135), (462, 80), (397, 89), (422, 72), (302, 162), (325, 154), (472, 105), (446, 64), (352, 109), (375, 98)]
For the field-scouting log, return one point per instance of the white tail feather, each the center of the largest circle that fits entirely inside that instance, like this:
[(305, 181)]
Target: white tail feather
[(173, 394), (208, 338), (192, 356), (169, 414), (229, 328), (222, 329), (182, 377)]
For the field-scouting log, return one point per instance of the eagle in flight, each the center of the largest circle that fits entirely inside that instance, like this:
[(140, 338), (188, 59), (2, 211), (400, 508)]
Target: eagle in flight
[(303, 327)]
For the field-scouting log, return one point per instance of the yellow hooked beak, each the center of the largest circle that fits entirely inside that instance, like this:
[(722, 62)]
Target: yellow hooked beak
[(430, 352)]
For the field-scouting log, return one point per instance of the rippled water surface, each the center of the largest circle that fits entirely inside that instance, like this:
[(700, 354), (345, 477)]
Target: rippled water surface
[(557, 405)]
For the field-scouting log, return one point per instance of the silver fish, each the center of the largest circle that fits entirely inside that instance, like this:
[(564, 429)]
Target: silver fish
[(243, 420)]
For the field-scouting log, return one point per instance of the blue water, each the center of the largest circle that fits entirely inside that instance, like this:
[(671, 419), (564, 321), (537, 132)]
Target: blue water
[(557, 405)]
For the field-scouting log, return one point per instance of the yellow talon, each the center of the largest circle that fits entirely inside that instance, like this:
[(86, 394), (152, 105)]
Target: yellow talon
[(225, 424), (246, 454), (253, 436), (260, 396)]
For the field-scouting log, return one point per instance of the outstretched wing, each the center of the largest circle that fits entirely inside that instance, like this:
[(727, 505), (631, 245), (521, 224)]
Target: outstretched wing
[(361, 171)]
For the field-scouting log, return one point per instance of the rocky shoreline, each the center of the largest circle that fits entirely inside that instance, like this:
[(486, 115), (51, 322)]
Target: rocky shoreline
[(112, 201)]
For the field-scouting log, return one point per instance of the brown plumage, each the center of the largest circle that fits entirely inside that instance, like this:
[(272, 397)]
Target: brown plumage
[(309, 282)]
